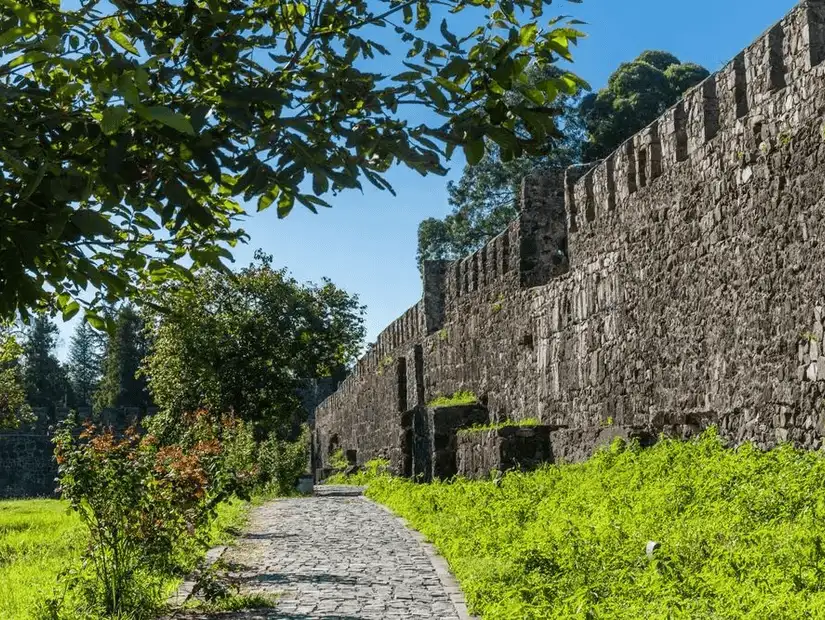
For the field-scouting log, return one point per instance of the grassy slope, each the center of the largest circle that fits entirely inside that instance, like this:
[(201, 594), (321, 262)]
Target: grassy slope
[(741, 534), (39, 538)]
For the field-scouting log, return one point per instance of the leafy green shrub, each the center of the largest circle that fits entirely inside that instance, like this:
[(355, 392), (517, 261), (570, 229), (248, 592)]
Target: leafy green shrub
[(144, 504), (376, 468), (283, 462), (740, 531), (459, 398), (14, 409), (338, 461)]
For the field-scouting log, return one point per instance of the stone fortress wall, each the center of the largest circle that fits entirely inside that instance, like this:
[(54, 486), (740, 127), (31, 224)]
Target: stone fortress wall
[(27, 465), (678, 283)]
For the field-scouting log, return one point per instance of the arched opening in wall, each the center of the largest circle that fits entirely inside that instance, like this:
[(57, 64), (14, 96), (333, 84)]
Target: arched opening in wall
[(352, 457), (334, 445)]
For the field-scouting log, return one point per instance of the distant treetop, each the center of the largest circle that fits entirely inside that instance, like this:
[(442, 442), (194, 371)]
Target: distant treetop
[(636, 94)]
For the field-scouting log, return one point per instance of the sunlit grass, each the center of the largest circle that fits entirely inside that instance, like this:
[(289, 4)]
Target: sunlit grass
[(741, 534), (38, 538), (41, 538)]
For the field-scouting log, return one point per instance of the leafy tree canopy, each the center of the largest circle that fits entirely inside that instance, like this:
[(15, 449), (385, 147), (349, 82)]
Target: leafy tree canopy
[(485, 198), (132, 129), (635, 95), (13, 406), (243, 344)]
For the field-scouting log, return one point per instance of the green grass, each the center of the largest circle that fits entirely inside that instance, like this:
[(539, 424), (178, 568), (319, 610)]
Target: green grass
[(498, 426), (459, 398), (37, 539), (40, 538), (742, 534)]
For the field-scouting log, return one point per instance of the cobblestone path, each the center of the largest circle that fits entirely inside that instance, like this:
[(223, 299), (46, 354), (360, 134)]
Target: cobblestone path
[(338, 556)]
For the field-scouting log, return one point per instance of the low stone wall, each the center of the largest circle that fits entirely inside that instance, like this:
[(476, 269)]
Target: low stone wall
[(521, 448), (27, 466), (574, 445), (479, 453), (445, 422), (502, 449)]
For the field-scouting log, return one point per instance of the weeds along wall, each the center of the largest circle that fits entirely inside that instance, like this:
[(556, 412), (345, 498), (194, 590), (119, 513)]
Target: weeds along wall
[(677, 283)]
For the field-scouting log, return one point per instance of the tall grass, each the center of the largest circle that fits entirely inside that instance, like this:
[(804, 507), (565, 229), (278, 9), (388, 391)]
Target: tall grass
[(741, 534), (40, 538)]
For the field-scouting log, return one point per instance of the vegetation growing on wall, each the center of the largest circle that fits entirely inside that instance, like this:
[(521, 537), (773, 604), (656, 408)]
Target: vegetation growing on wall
[(739, 534), (459, 398), (479, 428)]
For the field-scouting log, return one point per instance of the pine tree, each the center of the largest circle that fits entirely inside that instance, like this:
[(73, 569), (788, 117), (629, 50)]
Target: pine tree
[(125, 349), (84, 364), (44, 378)]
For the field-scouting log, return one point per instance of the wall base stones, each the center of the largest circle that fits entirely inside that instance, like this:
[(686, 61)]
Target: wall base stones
[(574, 445)]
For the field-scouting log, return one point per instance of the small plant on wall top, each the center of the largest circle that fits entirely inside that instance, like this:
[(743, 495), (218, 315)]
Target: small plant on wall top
[(525, 423), (498, 304), (443, 335), (384, 363), (459, 398)]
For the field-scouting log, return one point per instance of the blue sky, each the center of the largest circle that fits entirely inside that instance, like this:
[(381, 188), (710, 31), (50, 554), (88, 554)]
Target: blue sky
[(366, 244)]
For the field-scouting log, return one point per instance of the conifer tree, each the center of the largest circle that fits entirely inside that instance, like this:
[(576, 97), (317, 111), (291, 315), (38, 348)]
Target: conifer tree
[(125, 349), (44, 378), (84, 364)]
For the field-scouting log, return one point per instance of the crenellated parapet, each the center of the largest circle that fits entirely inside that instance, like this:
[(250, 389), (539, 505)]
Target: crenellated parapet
[(772, 79)]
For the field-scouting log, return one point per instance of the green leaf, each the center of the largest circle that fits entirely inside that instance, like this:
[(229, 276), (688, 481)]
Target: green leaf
[(12, 35), (28, 57), (144, 221), (171, 119), (474, 152), (266, 200), (70, 310), (285, 205), (320, 183), (451, 86), (95, 320), (123, 41), (527, 34), (449, 36), (504, 138), (91, 223), (113, 118), (436, 95)]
